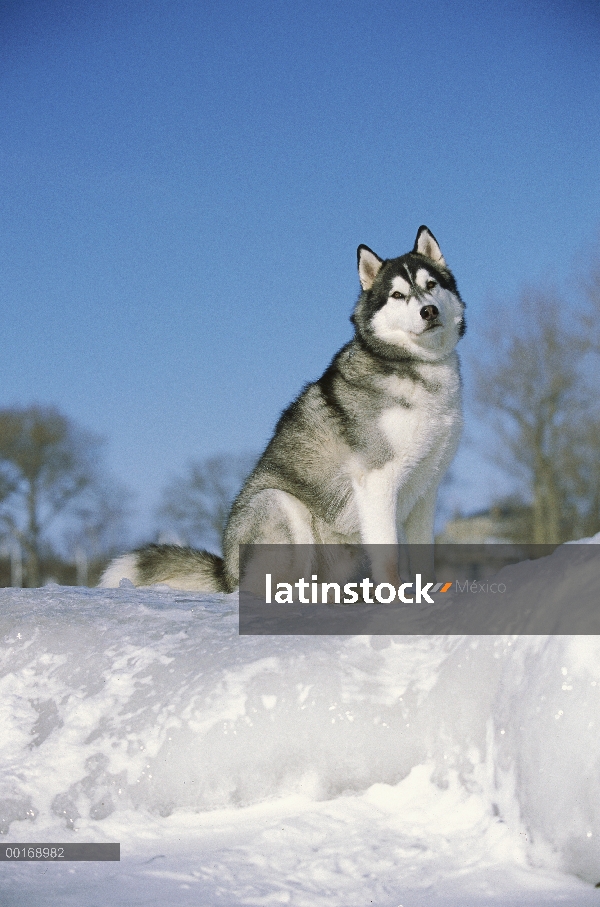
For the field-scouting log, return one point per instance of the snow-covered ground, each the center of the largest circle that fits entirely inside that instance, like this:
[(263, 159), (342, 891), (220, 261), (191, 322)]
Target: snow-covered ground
[(413, 771)]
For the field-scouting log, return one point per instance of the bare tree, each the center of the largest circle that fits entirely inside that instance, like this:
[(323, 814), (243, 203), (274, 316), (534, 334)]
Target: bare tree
[(48, 468), (195, 506), (532, 389), (581, 479)]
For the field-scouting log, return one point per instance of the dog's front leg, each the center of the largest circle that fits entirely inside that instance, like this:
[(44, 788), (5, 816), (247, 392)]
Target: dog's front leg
[(375, 497), (419, 527)]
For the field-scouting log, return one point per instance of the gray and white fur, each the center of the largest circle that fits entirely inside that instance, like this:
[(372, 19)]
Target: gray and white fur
[(359, 455)]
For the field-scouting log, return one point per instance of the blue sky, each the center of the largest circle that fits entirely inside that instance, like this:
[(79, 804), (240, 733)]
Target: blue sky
[(184, 186)]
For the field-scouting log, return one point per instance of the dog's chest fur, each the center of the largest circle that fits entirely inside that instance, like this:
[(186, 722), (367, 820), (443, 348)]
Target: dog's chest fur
[(399, 411), (409, 437), (423, 413)]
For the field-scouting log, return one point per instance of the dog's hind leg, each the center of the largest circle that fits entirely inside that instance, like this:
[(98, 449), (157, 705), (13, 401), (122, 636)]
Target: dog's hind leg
[(270, 517)]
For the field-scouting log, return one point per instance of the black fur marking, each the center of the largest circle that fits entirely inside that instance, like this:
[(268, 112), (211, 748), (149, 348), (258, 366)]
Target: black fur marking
[(326, 385)]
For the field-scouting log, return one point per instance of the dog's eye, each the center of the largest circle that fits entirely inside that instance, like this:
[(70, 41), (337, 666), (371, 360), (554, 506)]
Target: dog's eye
[(397, 295), (430, 284)]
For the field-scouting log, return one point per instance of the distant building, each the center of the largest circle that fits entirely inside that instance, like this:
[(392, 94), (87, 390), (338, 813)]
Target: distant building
[(502, 523)]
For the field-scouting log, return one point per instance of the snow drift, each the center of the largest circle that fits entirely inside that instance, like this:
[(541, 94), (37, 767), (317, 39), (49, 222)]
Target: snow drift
[(139, 712)]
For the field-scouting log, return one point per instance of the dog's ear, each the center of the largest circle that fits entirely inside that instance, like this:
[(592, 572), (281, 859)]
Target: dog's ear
[(426, 244), (368, 266)]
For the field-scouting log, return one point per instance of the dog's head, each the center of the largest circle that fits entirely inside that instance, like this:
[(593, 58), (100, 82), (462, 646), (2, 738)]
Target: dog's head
[(410, 307)]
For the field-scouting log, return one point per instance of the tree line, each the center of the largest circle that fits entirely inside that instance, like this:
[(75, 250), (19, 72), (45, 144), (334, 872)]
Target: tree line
[(63, 516)]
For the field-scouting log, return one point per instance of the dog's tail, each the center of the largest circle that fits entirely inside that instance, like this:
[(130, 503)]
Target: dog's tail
[(181, 568)]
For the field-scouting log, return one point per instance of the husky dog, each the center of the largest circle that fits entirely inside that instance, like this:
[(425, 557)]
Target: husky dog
[(357, 458)]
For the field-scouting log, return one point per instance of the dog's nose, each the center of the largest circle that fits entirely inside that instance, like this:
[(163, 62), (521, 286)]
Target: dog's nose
[(429, 312)]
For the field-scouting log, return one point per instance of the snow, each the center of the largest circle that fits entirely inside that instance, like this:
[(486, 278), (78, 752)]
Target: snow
[(305, 770)]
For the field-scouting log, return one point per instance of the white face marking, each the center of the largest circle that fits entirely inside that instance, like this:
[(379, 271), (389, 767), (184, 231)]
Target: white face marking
[(424, 277), (422, 280), (400, 285), (400, 322), (409, 275)]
